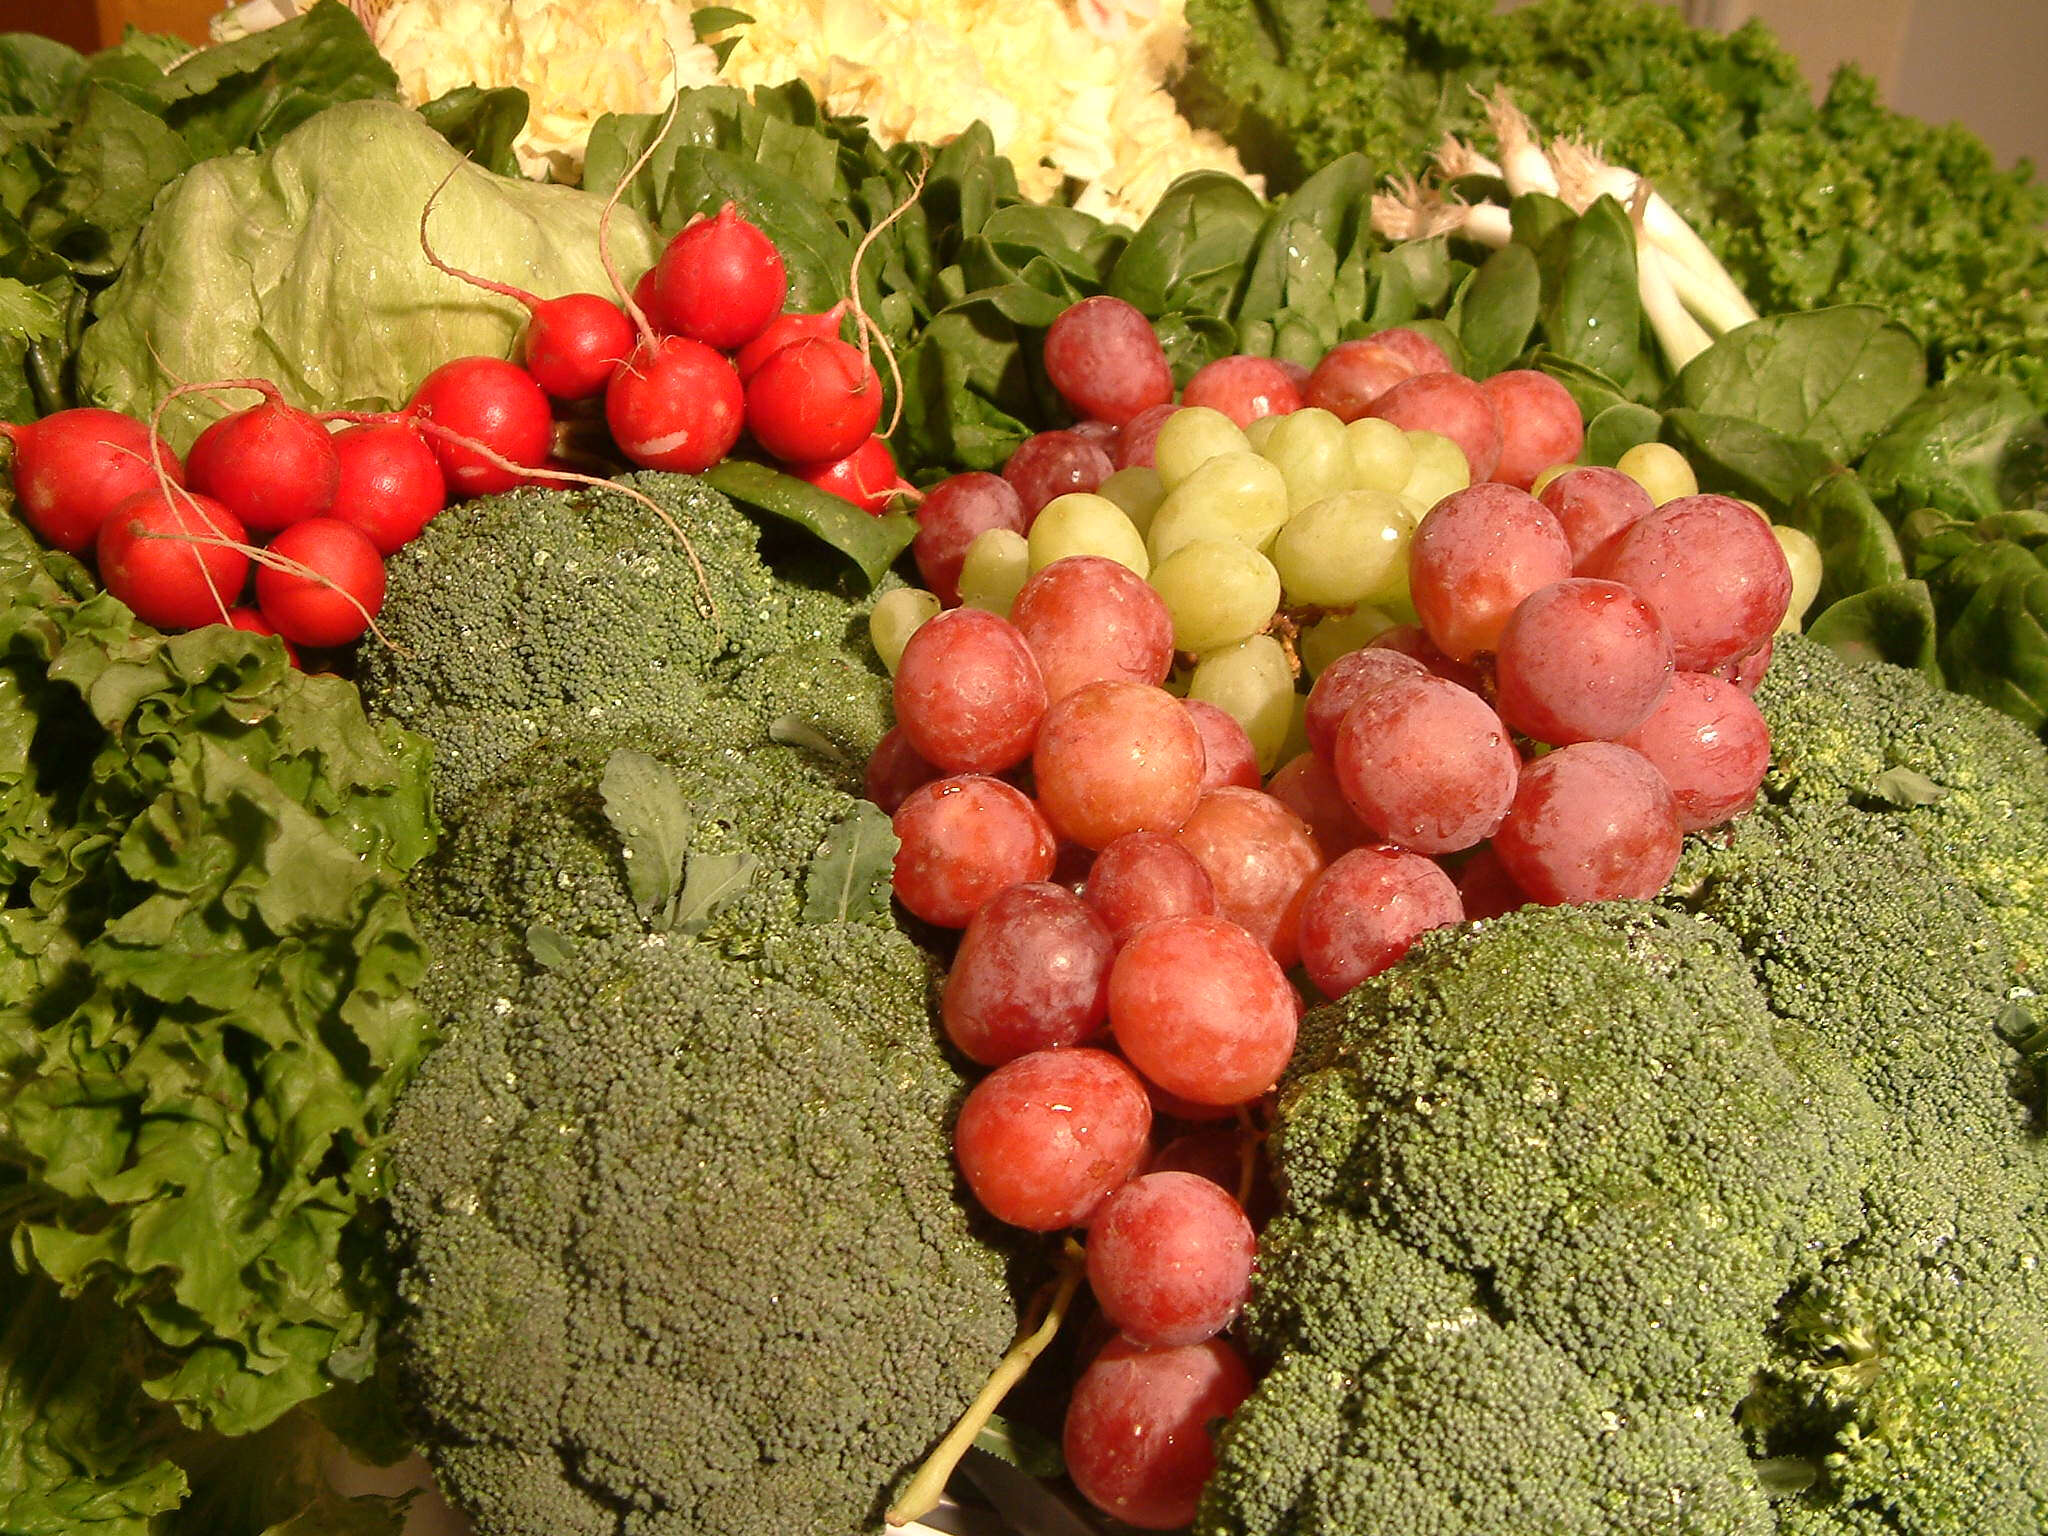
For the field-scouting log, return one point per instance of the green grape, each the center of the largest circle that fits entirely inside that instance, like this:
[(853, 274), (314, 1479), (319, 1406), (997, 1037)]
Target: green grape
[(1440, 468), (1218, 592), (1382, 458), (1345, 549), (897, 616), (1253, 684), (1082, 524), (1138, 491), (1192, 435), (1546, 475), (1340, 634), (1259, 431), (997, 563), (1312, 452), (1659, 469), (1233, 496), (1803, 555)]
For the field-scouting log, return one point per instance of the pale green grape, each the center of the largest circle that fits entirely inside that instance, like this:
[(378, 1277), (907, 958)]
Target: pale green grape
[(1218, 592), (897, 616), (1313, 455), (1345, 549), (1253, 684), (1340, 634), (1659, 469), (1138, 491), (1259, 431), (1192, 435), (1547, 474), (997, 563), (1233, 496), (1081, 524), (1803, 555), (1382, 458), (1440, 468)]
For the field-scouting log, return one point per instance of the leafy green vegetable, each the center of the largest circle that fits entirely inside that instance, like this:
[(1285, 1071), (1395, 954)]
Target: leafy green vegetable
[(645, 806), (849, 879), (483, 124), (302, 264), (1971, 447), (872, 543), (1989, 580)]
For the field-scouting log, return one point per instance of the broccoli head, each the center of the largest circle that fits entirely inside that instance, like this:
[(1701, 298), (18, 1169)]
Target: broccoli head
[(678, 1218), (1718, 1214)]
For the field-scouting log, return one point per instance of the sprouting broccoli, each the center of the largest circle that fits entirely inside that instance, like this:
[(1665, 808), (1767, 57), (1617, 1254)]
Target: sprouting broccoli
[(1720, 1214), (682, 1241)]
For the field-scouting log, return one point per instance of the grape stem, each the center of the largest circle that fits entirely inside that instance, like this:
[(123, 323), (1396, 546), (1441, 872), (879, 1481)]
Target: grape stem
[(1049, 1308)]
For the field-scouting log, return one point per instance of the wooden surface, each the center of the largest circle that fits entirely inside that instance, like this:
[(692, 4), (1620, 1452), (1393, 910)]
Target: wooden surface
[(89, 24)]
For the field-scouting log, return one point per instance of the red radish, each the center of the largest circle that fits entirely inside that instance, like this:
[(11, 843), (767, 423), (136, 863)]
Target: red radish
[(675, 404), (391, 484), (270, 465), (72, 468), (643, 300), (251, 621), (165, 554), (866, 477), (340, 593), (720, 281), (781, 331), (813, 399), (491, 402), (573, 343)]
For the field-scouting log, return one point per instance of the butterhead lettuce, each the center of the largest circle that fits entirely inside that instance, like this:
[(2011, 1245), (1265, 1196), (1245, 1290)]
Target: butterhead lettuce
[(302, 264)]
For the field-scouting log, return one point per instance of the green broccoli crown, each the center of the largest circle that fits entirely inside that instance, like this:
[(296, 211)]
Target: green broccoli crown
[(1758, 1170), (686, 1241), (539, 615), (680, 1222)]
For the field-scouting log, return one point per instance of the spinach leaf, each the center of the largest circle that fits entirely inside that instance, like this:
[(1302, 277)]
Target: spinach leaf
[(1858, 549), (1989, 579), (1498, 309), (1835, 377), (1592, 312), (1614, 429), (1744, 458), (871, 543), (1893, 623), (481, 123), (1971, 447), (1190, 254)]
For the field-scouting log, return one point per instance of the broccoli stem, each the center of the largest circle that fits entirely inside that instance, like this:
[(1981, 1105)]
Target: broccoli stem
[(921, 1494)]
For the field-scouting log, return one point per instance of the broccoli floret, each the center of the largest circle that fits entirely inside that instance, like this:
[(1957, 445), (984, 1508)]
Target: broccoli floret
[(544, 615), (681, 1230), (1763, 1164), (687, 1253)]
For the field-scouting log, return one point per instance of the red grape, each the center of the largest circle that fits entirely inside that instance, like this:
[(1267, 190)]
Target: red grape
[(1117, 757), (1712, 569), (1595, 506), (1103, 357), (1352, 375), (1343, 683), (1364, 911), (1222, 1154), (1051, 464), (1409, 640), (1450, 404), (1088, 619), (895, 770), (1485, 888), (1710, 742), (952, 513), (1426, 764), (1200, 1007), (1031, 973), (1137, 1434), (960, 841), (1170, 1258), (1243, 388), (968, 693), (1042, 1140), (1144, 876), (1591, 822), (1745, 672), (1140, 436), (1477, 554), (1307, 786), (1424, 355), (1228, 754), (1581, 660), (1260, 856), (1540, 424)]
